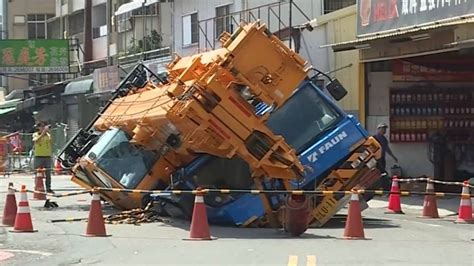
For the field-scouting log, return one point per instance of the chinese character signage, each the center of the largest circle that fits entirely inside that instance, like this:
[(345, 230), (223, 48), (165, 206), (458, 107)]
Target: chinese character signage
[(106, 79), (385, 15), (34, 56), (404, 71)]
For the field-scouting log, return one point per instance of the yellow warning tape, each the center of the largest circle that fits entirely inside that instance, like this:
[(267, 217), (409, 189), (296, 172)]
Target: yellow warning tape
[(55, 195), (291, 192)]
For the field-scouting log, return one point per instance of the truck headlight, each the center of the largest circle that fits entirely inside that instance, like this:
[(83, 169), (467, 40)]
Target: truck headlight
[(364, 155), (371, 163), (356, 163)]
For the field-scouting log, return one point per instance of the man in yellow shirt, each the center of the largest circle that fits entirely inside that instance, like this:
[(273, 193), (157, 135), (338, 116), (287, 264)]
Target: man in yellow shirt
[(43, 151)]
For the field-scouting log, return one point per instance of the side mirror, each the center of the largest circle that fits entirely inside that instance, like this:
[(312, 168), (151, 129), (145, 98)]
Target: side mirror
[(336, 89)]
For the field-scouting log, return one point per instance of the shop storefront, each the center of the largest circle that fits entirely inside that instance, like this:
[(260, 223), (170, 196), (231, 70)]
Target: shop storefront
[(419, 79), (75, 105)]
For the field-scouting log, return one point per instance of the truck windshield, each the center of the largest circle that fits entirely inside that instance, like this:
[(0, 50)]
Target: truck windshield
[(303, 118), (124, 162)]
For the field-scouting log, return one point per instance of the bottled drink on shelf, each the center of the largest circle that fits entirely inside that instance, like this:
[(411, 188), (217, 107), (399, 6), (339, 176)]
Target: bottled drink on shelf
[(423, 136), (403, 97), (440, 124), (418, 97), (424, 124)]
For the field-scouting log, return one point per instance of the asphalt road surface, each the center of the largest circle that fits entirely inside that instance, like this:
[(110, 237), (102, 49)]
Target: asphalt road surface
[(395, 239)]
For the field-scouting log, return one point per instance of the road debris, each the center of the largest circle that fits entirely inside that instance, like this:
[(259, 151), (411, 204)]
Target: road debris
[(135, 216)]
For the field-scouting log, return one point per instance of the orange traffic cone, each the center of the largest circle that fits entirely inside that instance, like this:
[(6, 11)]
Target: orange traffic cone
[(9, 212), (57, 168), (465, 207), (199, 225), (394, 203), (39, 193), (95, 223), (354, 226), (23, 223), (430, 208)]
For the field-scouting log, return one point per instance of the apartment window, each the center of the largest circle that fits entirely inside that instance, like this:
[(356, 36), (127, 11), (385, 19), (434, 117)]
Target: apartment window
[(76, 23), (37, 26), (99, 22), (190, 29), (63, 2), (126, 21), (333, 5), (223, 20), (54, 31)]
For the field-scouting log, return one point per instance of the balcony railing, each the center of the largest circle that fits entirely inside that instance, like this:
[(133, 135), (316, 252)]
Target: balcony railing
[(277, 16), (161, 53)]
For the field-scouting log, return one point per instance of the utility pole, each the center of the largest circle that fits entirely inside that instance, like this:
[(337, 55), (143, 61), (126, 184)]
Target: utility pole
[(87, 36)]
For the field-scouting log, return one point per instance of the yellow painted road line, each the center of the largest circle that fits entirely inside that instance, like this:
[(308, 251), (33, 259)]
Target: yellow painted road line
[(310, 260), (293, 260)]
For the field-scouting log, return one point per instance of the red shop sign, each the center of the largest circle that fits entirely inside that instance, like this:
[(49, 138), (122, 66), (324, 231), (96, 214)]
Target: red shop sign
[(407, 71)]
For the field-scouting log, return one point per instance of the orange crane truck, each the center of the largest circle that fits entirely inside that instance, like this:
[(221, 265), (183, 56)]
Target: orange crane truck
[(243, 116)]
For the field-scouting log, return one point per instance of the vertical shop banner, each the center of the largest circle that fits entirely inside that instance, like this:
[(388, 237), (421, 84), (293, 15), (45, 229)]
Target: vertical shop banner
[(386, 15), (34, 56)]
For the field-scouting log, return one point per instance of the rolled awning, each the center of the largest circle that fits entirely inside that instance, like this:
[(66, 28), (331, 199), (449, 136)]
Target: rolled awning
[(364, 42), (7, 110), (78, 87), (128, 7)]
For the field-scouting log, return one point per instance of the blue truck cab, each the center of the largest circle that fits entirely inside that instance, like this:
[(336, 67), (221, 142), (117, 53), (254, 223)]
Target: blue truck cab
[(329, 142)]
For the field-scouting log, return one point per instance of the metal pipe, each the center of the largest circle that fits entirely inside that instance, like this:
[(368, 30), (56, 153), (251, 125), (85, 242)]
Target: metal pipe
[(144, 30), (291, 24), (108, 14)]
